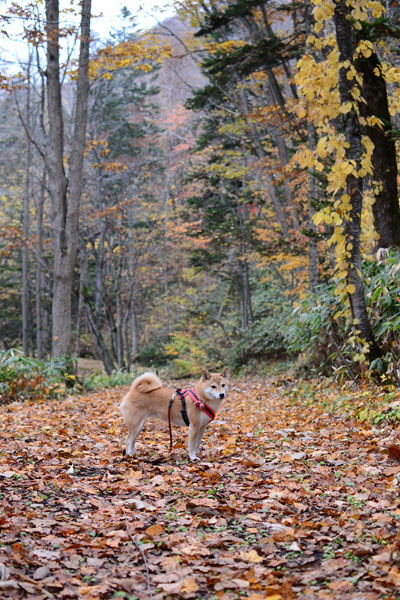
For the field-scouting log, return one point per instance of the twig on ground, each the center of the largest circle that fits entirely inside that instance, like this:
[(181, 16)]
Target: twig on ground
[(141, 552)]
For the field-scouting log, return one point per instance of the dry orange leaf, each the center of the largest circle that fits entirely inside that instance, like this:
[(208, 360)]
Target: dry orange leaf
[(155, 530), (190, 585)]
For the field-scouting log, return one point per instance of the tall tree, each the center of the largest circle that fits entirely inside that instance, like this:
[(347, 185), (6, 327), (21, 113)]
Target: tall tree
[(374, 107), (347, 43), (65, 193), (26, 306)]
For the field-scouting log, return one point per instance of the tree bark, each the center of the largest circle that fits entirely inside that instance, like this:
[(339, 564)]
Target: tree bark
[(118, 307), (313, 200), (65, 206), (386, 209), (347, 43), (245, 290), (26, 295), (101, 347), (132, 273), (83, 282), (39, 270)]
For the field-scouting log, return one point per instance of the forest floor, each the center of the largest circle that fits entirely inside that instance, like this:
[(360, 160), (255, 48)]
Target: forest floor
[(288, 502)]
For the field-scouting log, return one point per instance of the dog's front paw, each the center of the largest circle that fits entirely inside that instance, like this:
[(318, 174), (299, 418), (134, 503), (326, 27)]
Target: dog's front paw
[(194, 458)]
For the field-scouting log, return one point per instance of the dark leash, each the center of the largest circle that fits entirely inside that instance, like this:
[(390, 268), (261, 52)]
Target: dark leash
[(196, 400)]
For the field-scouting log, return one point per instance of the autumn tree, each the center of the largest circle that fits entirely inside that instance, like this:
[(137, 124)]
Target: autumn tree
[(347, 45), (343, 91), (122, 154)]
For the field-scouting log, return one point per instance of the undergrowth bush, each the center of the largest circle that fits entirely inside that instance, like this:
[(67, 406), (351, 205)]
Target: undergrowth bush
[(26, 378), (186, 354), (383, 302), (316, 326), (264, 339), (100, 380), (154, 354), (316, 329)]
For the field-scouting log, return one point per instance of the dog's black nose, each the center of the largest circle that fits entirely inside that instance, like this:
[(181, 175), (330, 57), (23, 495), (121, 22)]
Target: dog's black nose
[(222, 395)]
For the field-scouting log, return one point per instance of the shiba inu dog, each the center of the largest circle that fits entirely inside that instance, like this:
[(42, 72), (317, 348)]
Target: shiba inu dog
[(196, 407)]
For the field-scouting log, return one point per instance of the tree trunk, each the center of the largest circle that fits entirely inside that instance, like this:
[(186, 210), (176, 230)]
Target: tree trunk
[(65, 207), (39, 270), (386, 207), (312, 201), (346, 40), (268, 179), (118, 307), (101, 347), (25, 299), (132, 273), (83, 282), (134, 328), (245, 290)]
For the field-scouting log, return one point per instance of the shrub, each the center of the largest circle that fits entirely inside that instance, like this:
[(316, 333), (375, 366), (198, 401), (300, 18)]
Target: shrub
[(26, 378), (317, 326), (186, 354), (102, 380), (383, 302), (154, 354)]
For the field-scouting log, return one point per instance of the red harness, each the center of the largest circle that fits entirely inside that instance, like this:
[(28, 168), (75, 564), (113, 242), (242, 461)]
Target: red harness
[(196, 401)]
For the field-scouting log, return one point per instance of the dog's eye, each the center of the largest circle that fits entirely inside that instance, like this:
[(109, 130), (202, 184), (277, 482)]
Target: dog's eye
[(222, 385), (214, 386)]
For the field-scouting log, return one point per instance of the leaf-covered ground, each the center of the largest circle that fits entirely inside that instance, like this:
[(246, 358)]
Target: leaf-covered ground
[(288, 502)]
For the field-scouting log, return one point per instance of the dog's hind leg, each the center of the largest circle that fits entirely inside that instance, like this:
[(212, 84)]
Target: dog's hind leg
[(134, 429)]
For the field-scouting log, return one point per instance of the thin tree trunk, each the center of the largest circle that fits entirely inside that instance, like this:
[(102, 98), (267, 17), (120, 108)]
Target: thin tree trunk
[(247, 311), (132, 271), (312, 200), (261, 154), (134, 328), (101, 347), (83, 281), (39, 269), (118, 302), (26, 309)]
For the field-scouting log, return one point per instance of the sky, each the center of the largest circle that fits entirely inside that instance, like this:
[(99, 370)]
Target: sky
[(147, 12), (106, 17)]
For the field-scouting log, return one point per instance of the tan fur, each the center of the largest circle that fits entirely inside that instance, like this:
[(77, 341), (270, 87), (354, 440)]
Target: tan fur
[(148, 397)]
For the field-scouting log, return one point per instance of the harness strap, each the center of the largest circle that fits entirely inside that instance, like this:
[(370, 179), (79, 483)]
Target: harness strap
[(184, 414), (199, 403), (196, 400)]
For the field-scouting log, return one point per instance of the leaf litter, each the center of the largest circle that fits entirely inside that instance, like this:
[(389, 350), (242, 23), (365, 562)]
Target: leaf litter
[(287, 502)]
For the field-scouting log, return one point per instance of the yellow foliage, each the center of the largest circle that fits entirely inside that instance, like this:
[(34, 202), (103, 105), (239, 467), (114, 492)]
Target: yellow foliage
[(132, 54)]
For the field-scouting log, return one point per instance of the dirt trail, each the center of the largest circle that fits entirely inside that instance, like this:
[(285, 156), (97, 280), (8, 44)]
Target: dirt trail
[(287, 502)]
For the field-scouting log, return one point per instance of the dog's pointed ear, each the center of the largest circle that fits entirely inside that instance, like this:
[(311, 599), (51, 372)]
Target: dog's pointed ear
[(225, 372), (205, 375)]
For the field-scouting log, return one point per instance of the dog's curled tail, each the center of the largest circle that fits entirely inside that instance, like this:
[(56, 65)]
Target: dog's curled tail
[(148, 382)]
